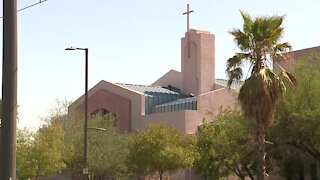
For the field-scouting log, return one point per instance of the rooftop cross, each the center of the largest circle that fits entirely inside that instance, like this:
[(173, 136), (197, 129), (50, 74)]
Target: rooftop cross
[(187, 13)]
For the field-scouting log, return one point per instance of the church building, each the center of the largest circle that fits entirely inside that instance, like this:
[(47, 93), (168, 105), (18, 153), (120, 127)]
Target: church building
[(179, 99)]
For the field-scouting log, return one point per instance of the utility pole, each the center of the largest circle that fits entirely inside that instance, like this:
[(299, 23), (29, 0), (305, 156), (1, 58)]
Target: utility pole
[(9, 92)]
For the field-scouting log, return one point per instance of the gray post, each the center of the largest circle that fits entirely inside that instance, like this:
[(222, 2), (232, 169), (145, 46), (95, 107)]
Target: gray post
[(85, 139), (9, 92), (86, 115)]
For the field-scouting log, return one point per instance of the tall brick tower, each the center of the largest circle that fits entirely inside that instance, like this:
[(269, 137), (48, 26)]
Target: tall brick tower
[(197, 62)]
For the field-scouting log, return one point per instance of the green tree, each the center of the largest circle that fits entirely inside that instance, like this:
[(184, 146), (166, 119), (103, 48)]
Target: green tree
[(107, 147), (25, 168), (259, 43), (40, 153), (296, 130), (160, 148), (225, 147)]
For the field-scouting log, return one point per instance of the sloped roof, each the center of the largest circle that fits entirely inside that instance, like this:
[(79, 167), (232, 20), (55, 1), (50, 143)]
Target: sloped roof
[(157, 95), (179, 101), (166, 99), (177, 105), (151, 90)]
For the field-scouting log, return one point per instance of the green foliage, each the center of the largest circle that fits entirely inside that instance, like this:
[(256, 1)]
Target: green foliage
[(107, 150), (25, 167), (58, 146), (296, 130), (225, 146), (160, 148), (40, 153), (48, 149)]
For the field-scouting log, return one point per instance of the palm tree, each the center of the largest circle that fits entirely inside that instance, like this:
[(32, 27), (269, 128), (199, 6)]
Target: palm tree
[(259, 45)]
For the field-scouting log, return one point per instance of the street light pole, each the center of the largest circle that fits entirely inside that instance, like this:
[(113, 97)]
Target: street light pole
[(85, 168), (85, 144)]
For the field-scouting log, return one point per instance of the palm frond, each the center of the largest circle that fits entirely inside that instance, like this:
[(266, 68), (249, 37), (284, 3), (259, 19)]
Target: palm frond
[(283, 47), (247, 21), (289, 77), (275, 30), (280, 51), (267, 29), (237, 60), (234, 70), (234, 75), (241, 39), (259, 93)]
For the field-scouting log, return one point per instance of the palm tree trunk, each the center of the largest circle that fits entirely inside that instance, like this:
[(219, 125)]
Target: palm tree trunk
[(261, 154)]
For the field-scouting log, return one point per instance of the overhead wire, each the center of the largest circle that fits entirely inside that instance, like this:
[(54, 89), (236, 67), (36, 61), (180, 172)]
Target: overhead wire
[(41, 1)]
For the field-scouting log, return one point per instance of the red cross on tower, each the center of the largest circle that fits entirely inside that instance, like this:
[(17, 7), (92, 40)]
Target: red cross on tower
[(187, 13)]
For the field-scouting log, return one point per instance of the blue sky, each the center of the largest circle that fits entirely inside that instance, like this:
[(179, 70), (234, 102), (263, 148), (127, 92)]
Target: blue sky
[(129, 41)]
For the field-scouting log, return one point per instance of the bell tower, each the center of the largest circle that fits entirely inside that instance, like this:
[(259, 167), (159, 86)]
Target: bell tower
[(197, 62)]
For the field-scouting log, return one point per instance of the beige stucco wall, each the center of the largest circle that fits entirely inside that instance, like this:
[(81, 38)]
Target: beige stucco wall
[(119, 105), (206, 62), (173, 78), (211, 102), (174, 119), (186, 121), (197, 67), (136, 98)]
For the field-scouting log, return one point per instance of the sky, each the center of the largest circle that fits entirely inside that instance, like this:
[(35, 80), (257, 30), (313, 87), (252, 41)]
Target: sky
[(129, 42)]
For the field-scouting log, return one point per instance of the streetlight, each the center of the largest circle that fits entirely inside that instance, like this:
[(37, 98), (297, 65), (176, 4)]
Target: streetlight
[(85, 151)]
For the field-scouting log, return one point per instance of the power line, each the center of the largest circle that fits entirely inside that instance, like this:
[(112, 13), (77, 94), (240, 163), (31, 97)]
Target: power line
[(41, 1)]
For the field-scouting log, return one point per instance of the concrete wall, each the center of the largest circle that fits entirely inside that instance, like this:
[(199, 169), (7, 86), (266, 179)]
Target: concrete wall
[(206, 62), (173, 78), (174, 119), (186, 121), (197, 62), (103, 99), (211, 102), (111, 96)]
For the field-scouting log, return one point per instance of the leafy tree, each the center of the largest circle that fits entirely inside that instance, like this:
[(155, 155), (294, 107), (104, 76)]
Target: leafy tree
[(160, 148), (107, 150), (225, 147), (40, 153), (296, 130), (25, 168), (107, 147), (259, 44), (48, 149)]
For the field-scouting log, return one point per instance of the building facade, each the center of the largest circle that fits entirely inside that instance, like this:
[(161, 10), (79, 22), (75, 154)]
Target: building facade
[(178, 99)]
